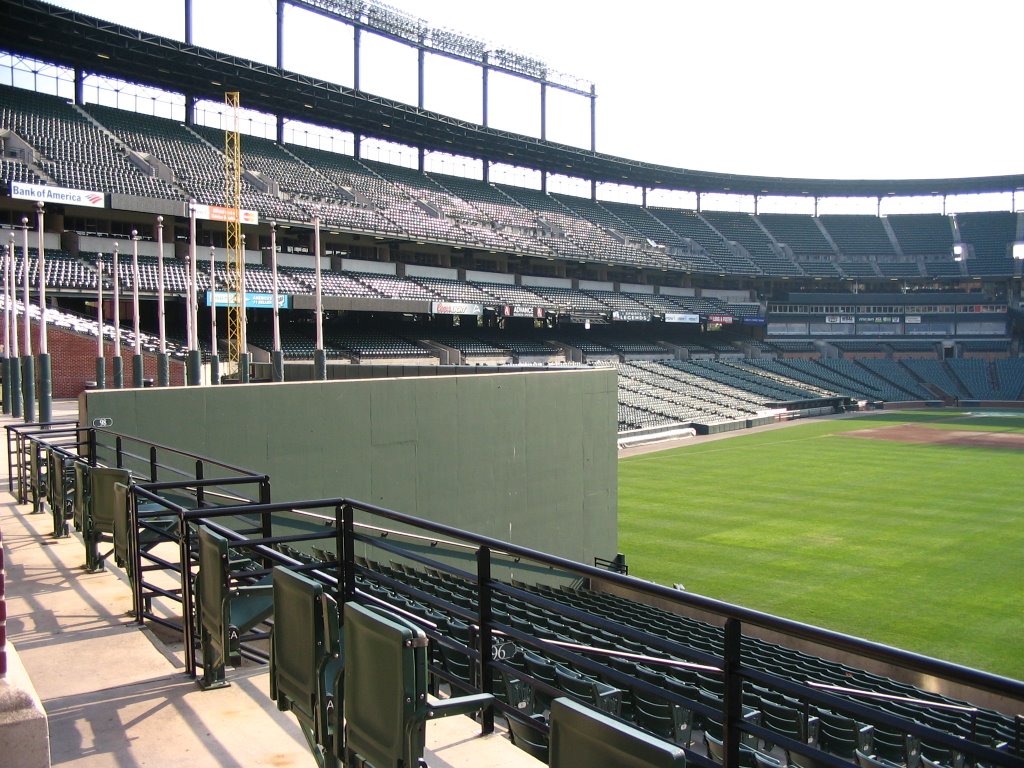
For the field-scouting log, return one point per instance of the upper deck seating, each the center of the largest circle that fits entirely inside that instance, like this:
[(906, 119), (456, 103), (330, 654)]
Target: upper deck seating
[(744, 229), (990, 234), (73, 151), (858, 235), (923, 234), (800, 232)]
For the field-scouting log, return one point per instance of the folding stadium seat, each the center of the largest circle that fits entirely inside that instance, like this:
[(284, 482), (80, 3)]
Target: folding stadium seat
[(841, 735), (529, 739), (599, 695), (663, 718)]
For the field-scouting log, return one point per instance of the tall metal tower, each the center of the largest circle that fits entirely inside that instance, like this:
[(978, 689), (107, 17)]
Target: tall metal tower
[(235, 253)]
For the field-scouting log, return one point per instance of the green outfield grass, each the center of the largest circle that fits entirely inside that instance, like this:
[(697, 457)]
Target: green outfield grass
[(916, 546)]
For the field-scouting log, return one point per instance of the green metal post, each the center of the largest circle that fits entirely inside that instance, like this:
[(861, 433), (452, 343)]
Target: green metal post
[(243, 368), (163, 369), (16, 402), (45, 388), (118, 372), (138, 371), (278, 361), (194, 368), (28, 388), (6, 384)]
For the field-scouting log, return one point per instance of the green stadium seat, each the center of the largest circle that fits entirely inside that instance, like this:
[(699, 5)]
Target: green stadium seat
[(307, 662), (665, 719), (100, 509), (225, 612), (601, 696), (60, 490), (529, 739), (865, 760), (36, 475), (841, 735), (386, 690), (582, 737), (80, 497)]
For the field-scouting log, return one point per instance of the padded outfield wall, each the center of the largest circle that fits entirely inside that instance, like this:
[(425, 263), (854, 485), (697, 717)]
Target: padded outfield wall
[(526, 457)]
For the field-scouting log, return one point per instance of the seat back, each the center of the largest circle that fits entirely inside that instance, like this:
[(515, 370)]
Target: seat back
[(59, 489), (529, 739), (581, 736), (122, 528), (384, 685), (102, 500), (298, 642), (81, 494), (306, 658), (211, 583), (37, 474)]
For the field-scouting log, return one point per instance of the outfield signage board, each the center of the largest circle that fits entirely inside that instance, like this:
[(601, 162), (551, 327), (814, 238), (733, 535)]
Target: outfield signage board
[(880, 319), (631, 315), (752, 320), (843, 319), (220, 213), (720, 319), (456, 308), (510, 310), (681, 317), (252, 300), (63, 195)]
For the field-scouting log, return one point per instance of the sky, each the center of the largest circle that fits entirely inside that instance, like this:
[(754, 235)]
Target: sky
[(794, 88)]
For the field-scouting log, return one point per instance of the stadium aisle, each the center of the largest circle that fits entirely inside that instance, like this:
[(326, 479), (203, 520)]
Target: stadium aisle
[(116, 694)]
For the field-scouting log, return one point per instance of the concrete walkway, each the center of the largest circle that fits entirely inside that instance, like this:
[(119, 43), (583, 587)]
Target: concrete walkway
[(117, 695)]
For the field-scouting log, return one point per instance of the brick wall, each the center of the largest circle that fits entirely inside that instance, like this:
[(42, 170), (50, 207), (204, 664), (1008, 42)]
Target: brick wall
[(73, 359)]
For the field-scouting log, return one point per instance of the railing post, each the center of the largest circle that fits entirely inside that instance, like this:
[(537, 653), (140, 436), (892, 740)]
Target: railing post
[(485, 617), (10, 461), (135, 554), (266, 518), (199, 489), (346, 547), (92, 447), (19, 447), (187, 618), (152, 463), (119, 456), (732, 700)]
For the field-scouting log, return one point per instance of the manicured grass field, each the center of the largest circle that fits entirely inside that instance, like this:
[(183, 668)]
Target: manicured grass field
[(917, 546)]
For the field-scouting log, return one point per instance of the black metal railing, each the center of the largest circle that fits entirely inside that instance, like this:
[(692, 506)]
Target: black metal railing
[(486, 604)]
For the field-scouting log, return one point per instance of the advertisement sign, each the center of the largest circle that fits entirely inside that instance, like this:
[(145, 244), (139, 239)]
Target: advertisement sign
[(62, 195), (681, 317), (456, 308), (720, 319), (252, 300), (631, 315), (518, 311), (846, 319), (220, 213)]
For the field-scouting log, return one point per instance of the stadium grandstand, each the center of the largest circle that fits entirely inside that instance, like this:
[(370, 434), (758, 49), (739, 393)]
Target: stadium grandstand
[(456, 360)]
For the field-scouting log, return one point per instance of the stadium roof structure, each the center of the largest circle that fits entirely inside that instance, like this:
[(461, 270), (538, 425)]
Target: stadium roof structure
[(89, 45)]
